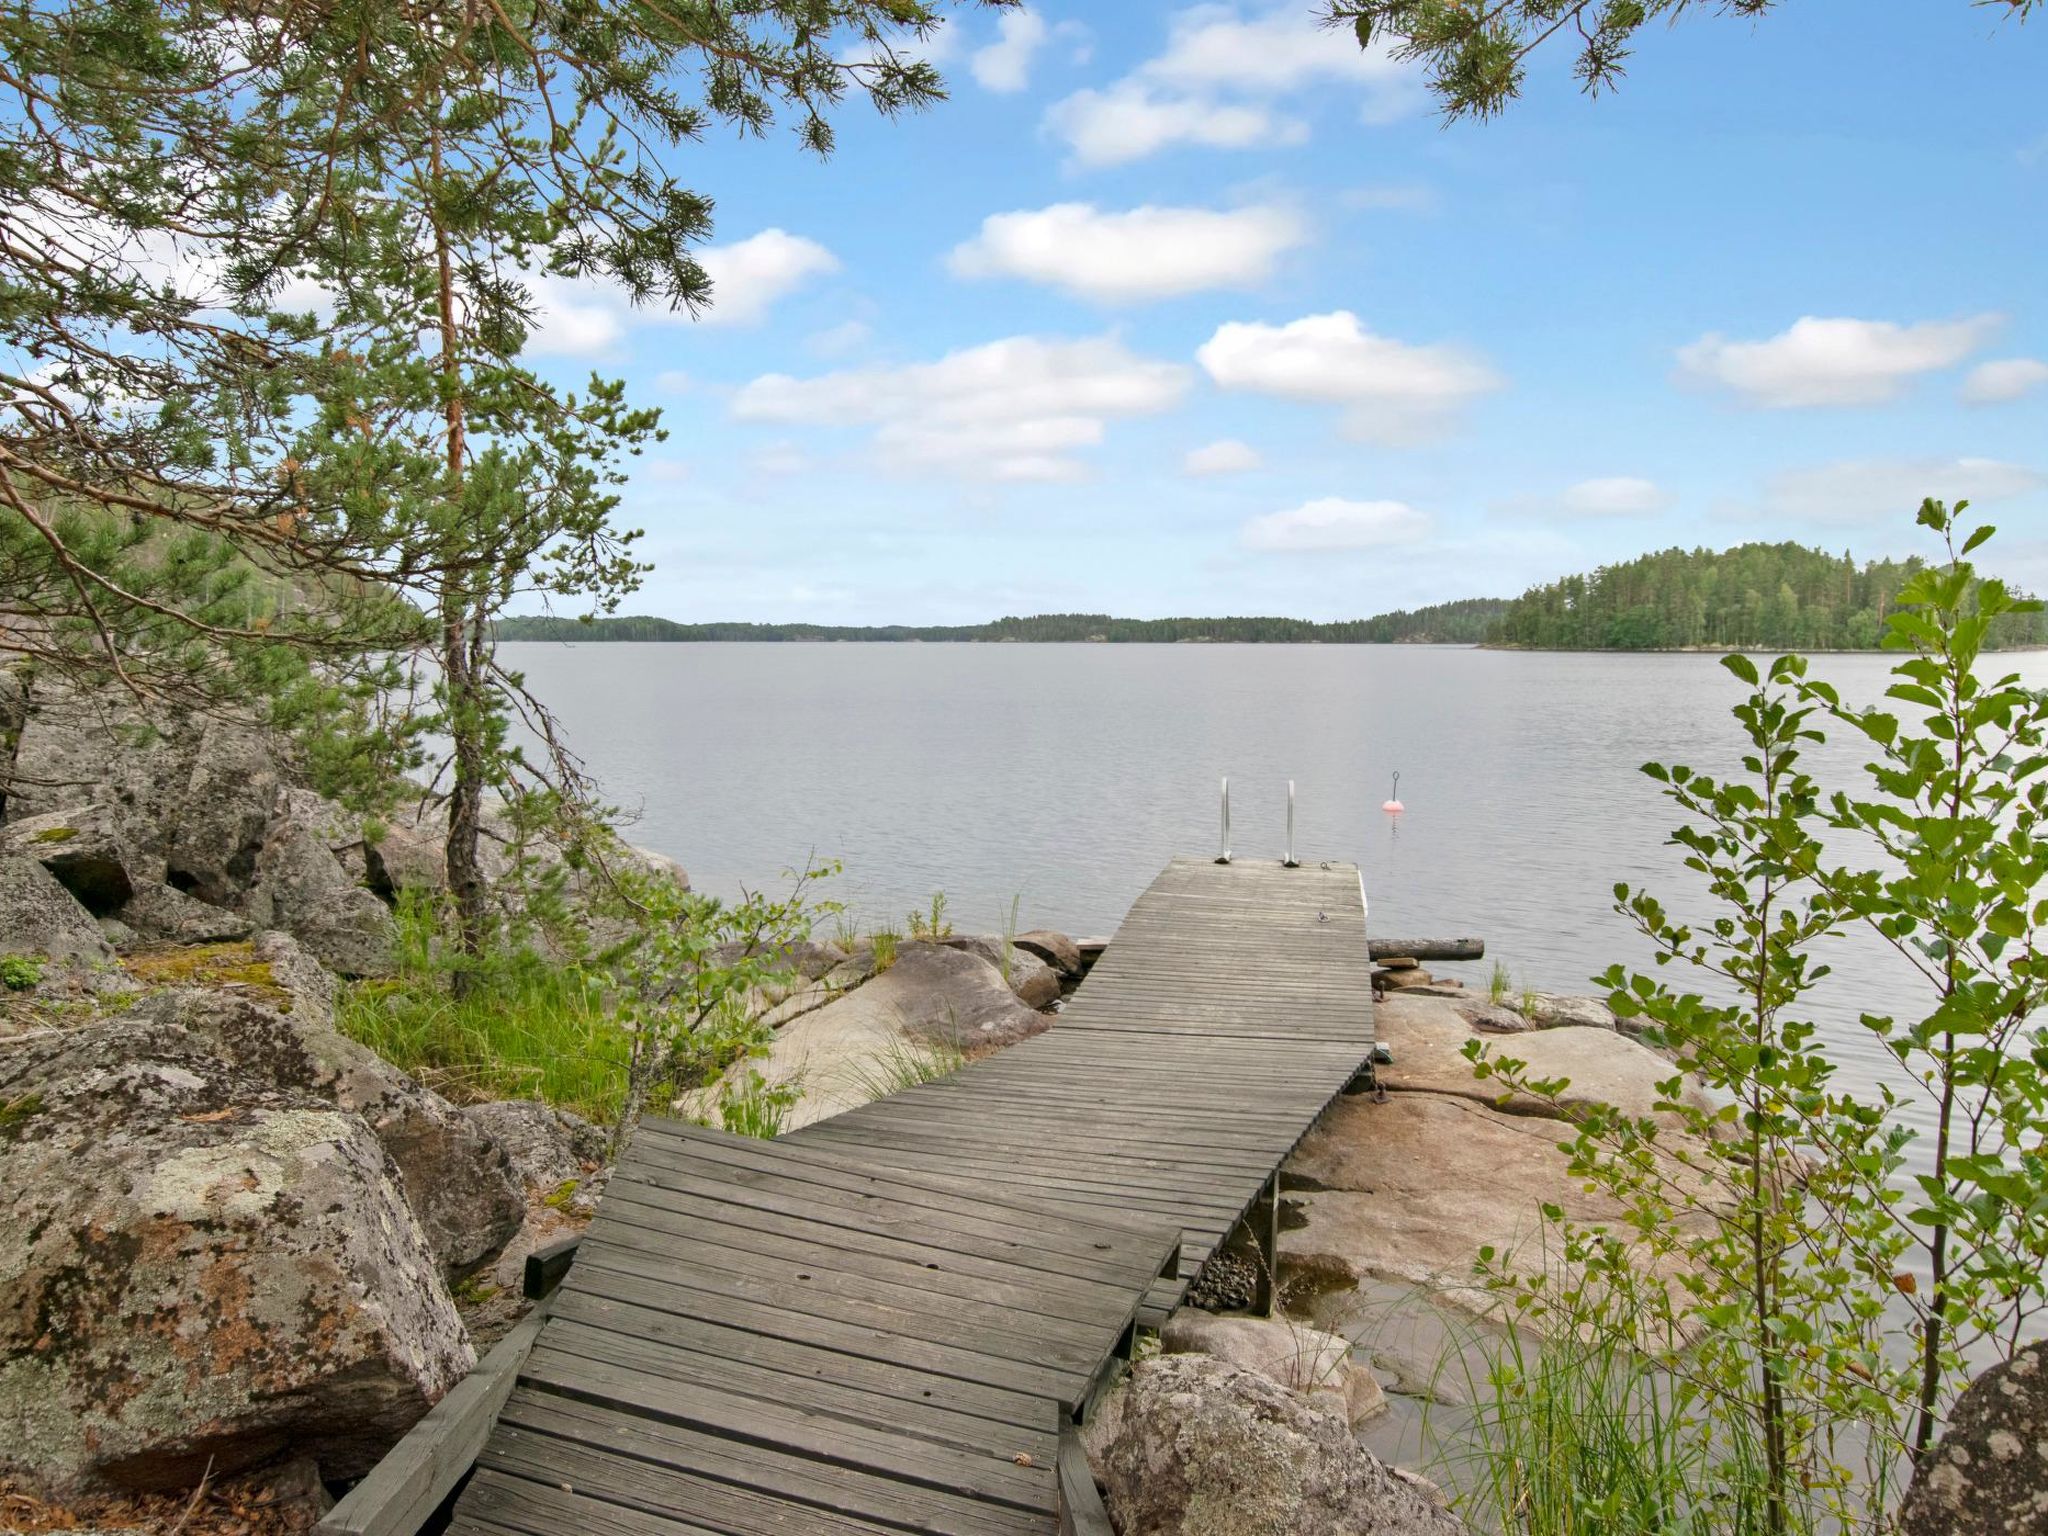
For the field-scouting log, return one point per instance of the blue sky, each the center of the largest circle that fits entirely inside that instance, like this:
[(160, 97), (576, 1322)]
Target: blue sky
[(1197, 310)]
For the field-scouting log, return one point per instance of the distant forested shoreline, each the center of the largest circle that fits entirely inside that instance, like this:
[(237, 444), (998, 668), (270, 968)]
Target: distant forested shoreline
[(1754, 596), (1461, 623)]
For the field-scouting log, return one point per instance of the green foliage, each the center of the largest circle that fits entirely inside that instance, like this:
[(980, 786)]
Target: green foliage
[(1768, 1259), (755, 1107), (1460, 623), (931, 924), (19, 972), (1761, 595), (883, 942), (688, 979), (527, 1028), (270, 424), (1475, 56)]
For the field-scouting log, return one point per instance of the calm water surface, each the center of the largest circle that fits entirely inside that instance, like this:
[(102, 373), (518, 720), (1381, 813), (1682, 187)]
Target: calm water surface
[(1064, 777)]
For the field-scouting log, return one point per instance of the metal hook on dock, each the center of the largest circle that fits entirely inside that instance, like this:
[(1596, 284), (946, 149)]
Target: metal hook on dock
[(1291, 862), (1224, 856)]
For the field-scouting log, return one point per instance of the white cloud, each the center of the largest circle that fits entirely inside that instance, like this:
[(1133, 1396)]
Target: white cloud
[(780, 458), (1881, 492), (2004, 379), (1147, 253), (1394, 392), (1614, 496), (1332, 523), (1005, 64), (1130, 121), (591, 317), (1217, 81), (574, 317), (1225, 456), (1217, 47), (838, 340), (1833, 362), (749, 276), (1018, 409)]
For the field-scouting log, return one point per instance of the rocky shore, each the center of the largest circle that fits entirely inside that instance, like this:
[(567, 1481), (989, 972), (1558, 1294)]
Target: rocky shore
[(241, 1251)]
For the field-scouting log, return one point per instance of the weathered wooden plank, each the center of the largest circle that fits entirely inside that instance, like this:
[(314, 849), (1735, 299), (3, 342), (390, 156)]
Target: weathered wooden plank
[(409, 1484), (1081, 1511)]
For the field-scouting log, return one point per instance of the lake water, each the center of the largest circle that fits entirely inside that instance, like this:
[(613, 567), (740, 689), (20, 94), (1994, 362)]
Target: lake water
[(1064, 777)]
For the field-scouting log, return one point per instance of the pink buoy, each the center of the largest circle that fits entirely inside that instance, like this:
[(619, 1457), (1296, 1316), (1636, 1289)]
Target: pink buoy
[(1393, 804)]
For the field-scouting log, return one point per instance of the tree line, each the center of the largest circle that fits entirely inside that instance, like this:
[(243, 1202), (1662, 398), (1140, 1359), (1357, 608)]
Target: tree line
[(1461, 623), (1754, 596)]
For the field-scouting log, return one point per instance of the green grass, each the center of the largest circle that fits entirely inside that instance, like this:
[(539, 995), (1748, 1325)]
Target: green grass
[(527, 1030), (1587, 1437), (1499, 985), (753, 1106), (18, 973), (884, 942), (1579, 1439), (904, 1065)]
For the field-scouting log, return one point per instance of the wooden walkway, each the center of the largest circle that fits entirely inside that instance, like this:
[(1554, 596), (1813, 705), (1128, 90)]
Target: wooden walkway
[(1233, 1004), (890, 1321)]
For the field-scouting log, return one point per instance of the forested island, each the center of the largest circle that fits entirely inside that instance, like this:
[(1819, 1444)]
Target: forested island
[(1460, 623), (1763, 596)]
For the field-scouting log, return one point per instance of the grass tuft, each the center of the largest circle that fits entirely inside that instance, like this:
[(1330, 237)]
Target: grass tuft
[(884, 942), (526, 1029), (903, 1065)]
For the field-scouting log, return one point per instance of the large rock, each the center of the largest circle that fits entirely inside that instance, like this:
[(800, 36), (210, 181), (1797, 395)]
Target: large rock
[(403, 859), (38, 917), (1427, 1038), (1193, 1446), (1988, 1475), (455, 1176), (1036, 983), (13, 715), (1551, 1010), (199, 1267), (305, 890), (904, 1024), (88, 849), (162, 914), (96, 748), (1490, 1018), (558, 1156), (1411, 1189), (1055, 949), (1307, 1360), (950, 997), (219, 825)]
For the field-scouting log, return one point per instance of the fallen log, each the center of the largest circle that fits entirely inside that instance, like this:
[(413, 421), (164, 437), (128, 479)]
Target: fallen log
[(1427, 949)]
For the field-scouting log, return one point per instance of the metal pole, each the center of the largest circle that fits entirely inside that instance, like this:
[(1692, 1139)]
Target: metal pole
[(1224, 857), (1292, 861)]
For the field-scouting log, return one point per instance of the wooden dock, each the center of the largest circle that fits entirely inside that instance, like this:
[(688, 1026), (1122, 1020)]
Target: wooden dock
[(892, 1320)]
